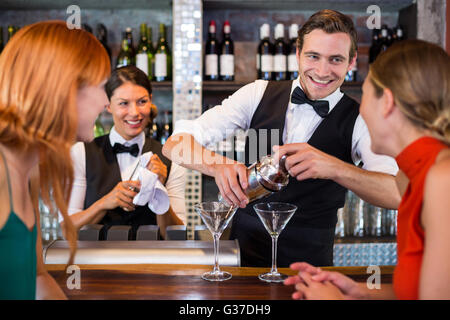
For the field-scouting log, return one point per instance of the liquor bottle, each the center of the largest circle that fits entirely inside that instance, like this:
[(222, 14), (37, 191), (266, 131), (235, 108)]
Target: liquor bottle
[(144, 55), (154, 131), (212, 54), (352, 75), (163, 57), (384, 41), (124, 58), (129, 37), (86, 27), (1, 39), (99, 130), (102, 36), (398, 34), (375, 47), (226, 64), (280, 54), (265, 54), (292, 57), (11, 31), (166, 130)]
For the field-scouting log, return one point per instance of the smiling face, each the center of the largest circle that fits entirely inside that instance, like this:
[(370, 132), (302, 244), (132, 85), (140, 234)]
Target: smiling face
[(130, 107), (323, 62)]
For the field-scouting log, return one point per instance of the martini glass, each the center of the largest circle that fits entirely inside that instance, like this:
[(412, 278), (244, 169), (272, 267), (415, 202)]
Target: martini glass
[(274, 216), (216, 216)]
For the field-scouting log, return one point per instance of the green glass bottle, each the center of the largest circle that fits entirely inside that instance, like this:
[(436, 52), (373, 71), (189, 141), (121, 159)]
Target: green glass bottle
[(124, 58), (11, 31), (98, 128), (144, 55), (129, 37), (1, 39), (163, 57)]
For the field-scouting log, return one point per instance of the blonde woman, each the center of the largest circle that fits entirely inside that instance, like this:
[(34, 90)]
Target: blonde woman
[(406, 105), (51, 91)]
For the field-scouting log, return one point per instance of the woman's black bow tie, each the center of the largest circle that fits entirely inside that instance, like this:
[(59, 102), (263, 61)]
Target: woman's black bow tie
[(120, 148)]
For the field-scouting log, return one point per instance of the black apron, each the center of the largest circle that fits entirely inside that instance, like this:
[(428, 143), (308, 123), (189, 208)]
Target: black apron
[(103, 174), (309, 235)]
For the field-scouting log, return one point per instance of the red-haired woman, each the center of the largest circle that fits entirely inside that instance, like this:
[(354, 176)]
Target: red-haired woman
[(51, 92)]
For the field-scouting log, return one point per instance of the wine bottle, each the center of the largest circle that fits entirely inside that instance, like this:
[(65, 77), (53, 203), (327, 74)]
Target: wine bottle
[(99, 130), (212, 54), (1, 39), (124, 58), (129, 37), (280, 56), (144, 55), (154, 131), (86, 27), (166, 130), (163, 57), (352, 75), (11, 31), (397, 35), (102, 36), (384, 43), (226, 64), (292, 57), (375, 47), (265, 54)]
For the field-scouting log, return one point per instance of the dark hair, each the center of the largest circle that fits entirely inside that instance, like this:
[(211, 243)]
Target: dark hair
[(329, 21), (127, 74)]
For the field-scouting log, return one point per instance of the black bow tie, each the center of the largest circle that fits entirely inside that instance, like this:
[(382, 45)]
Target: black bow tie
[(133, 149), (320, 106)]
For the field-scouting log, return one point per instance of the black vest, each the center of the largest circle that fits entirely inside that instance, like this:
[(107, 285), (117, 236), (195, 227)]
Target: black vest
[(103, 174), (309, 235)]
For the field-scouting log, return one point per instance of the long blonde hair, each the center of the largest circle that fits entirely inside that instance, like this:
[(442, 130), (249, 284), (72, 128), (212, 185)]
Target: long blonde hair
[(418, 74), (41, 70)]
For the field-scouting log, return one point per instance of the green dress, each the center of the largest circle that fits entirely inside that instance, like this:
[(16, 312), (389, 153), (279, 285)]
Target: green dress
[(17, 256)]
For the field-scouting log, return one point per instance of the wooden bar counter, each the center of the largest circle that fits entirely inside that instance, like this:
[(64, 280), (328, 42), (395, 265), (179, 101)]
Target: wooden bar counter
[(182, 282)]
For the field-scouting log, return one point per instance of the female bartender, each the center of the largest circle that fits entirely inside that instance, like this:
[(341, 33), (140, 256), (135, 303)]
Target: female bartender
[(103, 191)]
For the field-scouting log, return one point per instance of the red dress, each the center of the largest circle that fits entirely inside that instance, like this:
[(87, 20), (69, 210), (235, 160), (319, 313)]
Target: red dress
[(415, 161)]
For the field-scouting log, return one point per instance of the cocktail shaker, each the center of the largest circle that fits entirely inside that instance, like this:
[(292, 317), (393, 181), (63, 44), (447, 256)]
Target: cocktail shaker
[(264, 178)]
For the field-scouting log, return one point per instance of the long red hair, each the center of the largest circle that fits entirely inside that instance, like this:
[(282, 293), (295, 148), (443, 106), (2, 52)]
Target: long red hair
[(41, 70)]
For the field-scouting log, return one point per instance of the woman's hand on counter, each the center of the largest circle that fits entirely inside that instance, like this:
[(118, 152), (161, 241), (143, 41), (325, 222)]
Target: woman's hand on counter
[(121, 196), (313, 283)]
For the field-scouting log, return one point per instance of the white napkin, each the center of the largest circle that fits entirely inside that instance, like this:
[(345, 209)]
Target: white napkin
[(152, 190)]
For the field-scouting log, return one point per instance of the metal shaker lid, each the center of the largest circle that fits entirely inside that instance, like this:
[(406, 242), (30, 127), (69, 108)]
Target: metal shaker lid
[(272, 175)]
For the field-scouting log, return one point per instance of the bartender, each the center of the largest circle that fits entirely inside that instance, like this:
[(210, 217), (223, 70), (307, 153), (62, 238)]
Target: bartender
[(103, 191), (320, 130)]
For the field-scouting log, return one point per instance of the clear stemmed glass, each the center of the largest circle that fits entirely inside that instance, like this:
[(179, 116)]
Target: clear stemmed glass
[(274, 216), (216, 216)]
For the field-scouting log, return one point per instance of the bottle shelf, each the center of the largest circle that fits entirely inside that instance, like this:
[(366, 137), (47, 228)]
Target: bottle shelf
[(231, 86), (305, 5), (85, 4)]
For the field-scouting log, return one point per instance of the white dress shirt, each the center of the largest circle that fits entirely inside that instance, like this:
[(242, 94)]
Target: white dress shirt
[(175, 184), (236, 113)]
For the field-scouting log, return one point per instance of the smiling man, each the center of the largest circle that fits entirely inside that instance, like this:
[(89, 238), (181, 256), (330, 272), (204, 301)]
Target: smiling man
[(316, 125)]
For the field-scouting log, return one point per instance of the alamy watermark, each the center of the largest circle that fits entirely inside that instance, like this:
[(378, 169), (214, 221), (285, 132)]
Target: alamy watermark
[(374, 20), (374, 281), (74, 20), (74, 280)]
